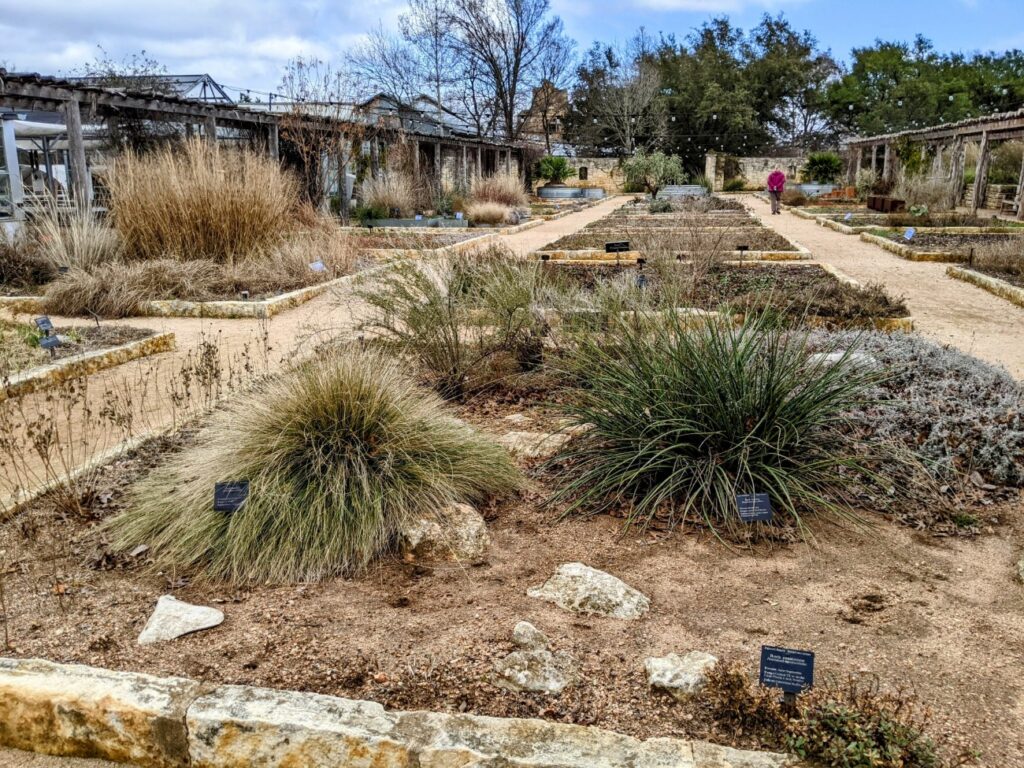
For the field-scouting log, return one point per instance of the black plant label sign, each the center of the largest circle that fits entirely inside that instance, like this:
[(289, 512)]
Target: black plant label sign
[(44, 324), (229, 497), (754, 507), (785, 668), (621, 246)]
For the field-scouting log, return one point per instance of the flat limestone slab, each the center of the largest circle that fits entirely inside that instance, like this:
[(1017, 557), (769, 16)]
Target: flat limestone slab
[(173, 618), (79, 711)]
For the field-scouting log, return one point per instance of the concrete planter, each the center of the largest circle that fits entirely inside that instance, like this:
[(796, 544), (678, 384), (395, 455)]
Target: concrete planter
[(560, 192), (152, 722)]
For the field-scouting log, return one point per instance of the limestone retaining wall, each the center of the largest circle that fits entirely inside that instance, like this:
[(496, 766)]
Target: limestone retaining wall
[(153, 722)]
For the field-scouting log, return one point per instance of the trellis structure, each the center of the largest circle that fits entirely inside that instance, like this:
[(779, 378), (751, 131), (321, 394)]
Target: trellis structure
[(950, 141), (74, 99)]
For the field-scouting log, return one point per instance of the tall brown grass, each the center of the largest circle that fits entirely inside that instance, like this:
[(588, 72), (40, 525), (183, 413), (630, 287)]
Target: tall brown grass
[(1001, 256), (488, 213), (394, 191), (195, 201), (76, 240), (932, 193), (502, 188)]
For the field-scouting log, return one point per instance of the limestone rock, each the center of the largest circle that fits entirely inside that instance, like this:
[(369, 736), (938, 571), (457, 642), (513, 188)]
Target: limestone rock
[(517, 418), (173, 618), (579, 588), (527, 636), (457, 532), (76, 711), (679, 676), (1020, 569), (539, 671), (534, 445)]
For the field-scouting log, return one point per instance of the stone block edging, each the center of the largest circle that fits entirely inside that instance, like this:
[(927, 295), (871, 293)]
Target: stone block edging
[(993, 285), (72, 710), (908, 253), (856, 229), (597, 256), (84, 364), (223, 310)]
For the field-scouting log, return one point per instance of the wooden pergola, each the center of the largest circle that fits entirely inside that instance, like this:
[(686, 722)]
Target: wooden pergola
[(947, 140), (74, 99)]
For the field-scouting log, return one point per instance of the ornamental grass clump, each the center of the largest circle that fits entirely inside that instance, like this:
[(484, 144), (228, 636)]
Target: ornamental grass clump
[(197, 201), (340, 454), (685, 413), (501, 188)]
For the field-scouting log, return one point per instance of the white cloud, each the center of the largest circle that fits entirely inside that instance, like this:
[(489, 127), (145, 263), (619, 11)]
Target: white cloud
[(240, 42)]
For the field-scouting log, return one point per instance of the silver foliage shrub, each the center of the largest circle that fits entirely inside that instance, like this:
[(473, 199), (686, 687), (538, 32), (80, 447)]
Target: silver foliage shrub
[(957, 413)]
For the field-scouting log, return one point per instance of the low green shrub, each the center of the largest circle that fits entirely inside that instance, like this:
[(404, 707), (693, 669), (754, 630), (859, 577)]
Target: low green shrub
[(683, 418), (660, 206), (340, 453), (822, 167), (735, 185), (848, 724)]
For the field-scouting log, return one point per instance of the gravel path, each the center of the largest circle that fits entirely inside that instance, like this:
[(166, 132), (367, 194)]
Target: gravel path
[(946, 310), (14, 758)]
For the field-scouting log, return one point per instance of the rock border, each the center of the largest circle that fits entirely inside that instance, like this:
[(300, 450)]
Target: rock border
[(85, 364), (993, 285), (825, 220), (71, 710), (908, 253)]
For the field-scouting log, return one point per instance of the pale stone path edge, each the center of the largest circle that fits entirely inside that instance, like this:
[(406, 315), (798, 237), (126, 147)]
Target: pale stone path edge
[(154, 722)]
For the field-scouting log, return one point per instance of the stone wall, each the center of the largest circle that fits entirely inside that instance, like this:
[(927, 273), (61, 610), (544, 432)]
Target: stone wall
[(753, 170), (599, 172), (76, 711)]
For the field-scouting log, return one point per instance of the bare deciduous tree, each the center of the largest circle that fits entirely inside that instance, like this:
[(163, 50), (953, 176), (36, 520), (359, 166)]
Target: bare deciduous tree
[(317, 131), (507, 40), (425, 28), (385, 63), (625, 104)]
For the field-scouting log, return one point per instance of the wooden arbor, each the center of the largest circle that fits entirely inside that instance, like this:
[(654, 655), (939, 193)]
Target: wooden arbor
[(947, 141)]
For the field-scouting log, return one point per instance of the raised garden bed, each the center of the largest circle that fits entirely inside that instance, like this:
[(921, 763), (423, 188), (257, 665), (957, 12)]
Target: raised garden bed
[(424, 635), (83, 351), (935, 247), (1005, 285), (810, 293), (953, 224), (755, 238)]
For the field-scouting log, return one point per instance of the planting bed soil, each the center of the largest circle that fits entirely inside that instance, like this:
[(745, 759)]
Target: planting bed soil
[(884, 603), (938, 220), (953, 244), (794, 290), (1013, 278), (399, 240), (670, 221), (20, 350), (755, 238)]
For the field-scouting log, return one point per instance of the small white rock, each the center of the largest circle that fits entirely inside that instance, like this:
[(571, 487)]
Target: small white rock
[(457, 532), (854, 359), (679, 676), (527, 636), (534, 445), (173, 618), (579, 588), (540, 671)]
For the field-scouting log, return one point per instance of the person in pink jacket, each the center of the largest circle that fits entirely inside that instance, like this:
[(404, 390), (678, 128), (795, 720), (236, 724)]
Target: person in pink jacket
[(776, 183)]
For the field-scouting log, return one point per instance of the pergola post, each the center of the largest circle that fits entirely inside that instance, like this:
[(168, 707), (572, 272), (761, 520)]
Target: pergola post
[(874, 158), (416, 157), (465, 166), (374, 158), (80, 180), (273, 145), (438, 162), (479, 170), (1020, 194), (210, 129), (508, 161), (956, 170), (887, 163), (855, 161), (981, 175)]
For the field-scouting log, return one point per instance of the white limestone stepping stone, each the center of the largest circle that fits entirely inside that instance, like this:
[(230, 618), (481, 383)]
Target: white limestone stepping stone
[(679, 676), (173, 618)]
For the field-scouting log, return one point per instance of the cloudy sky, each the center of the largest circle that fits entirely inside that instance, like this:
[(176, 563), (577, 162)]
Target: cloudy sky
[(244, 43)]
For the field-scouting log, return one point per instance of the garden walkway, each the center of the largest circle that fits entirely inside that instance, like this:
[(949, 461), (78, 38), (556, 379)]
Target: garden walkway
[(292, 333), (946, 310)]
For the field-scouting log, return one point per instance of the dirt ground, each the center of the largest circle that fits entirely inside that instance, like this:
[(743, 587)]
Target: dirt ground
[(946, 310), (943, 618)]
